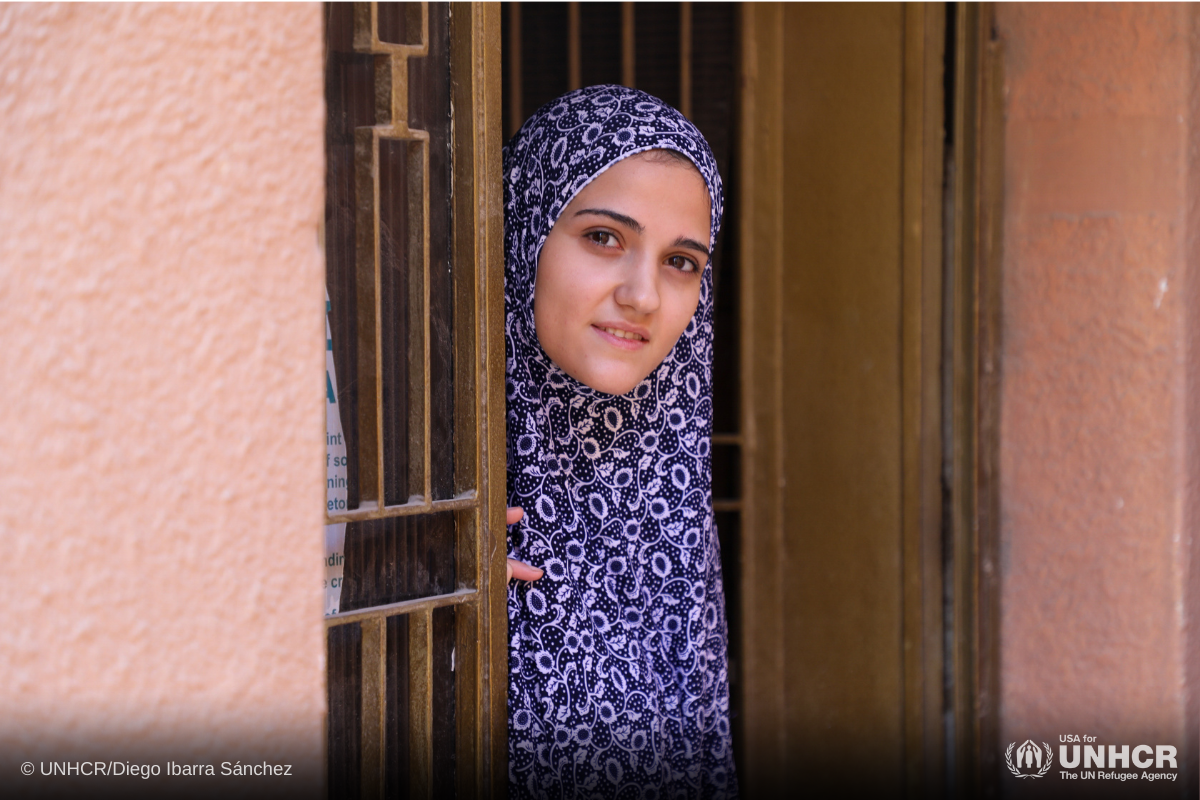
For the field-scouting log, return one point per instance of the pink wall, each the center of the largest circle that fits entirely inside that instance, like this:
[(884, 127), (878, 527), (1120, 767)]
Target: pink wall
[(1099, 304), (161, 464)]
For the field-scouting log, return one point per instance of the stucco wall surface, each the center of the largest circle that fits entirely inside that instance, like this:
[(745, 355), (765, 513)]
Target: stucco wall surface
[(1095, 361), (161, 407)]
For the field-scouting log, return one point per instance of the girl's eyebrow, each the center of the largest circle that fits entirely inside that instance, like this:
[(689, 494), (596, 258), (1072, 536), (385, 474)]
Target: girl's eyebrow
[(691, 244), (630, 222), (627, 221)]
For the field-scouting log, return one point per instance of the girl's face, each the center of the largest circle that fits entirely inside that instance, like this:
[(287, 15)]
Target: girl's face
[(618, 277)]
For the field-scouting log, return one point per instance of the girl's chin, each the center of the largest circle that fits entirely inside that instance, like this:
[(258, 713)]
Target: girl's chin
[(602, 368), (615, 381)]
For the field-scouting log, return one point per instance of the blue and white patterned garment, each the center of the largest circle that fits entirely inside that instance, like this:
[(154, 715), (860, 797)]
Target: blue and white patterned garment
[(618, 684)]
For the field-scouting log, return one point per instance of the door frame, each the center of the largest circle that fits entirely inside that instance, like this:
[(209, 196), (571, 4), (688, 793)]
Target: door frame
[(949, 261)]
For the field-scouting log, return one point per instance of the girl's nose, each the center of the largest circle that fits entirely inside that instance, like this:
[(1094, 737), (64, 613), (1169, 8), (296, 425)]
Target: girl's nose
[(638, 289)]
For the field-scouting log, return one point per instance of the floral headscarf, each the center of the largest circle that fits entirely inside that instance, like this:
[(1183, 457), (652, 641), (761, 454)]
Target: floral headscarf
[(618, 674)]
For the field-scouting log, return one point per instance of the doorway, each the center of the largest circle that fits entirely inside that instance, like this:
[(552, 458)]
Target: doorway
[(687, 55), (869, 210), (855, 313)]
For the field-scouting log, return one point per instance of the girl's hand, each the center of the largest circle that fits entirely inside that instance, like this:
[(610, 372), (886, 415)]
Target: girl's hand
[(519, 569)]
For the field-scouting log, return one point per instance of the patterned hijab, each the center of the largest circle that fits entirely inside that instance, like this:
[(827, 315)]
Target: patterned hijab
[(618, 675)]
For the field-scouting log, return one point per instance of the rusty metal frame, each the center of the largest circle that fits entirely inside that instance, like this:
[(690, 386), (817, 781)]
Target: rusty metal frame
[(478, 230), (391, 110)]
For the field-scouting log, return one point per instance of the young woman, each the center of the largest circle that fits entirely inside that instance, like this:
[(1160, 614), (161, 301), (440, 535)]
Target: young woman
[(618, 682)]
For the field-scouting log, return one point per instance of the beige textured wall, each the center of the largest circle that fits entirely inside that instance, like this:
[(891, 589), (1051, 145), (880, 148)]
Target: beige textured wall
[(161, 383), (1099, 306)]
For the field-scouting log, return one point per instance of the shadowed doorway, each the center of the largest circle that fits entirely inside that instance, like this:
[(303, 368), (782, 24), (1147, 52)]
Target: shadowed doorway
[(686, 55)]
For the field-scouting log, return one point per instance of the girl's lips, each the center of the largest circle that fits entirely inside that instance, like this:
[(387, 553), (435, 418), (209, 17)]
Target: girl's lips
[(617, 341)]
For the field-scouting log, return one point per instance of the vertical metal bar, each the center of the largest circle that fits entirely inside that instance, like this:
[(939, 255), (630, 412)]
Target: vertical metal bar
[(489, 222), (372, 37), (465, 67), (466, 40), (417, 346), (378, 332), (574, 68), (420, 711), (370, 359), (628, 59), (470, 705), (367, 280), (427, 490), (471, 177), (377, 315), (515, 114), (374, 705), (685, 59)]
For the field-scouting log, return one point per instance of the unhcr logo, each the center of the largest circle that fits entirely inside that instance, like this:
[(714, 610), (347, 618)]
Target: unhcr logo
[(1031, 761)]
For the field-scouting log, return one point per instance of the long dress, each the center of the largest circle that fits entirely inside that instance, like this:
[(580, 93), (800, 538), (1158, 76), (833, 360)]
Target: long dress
[(618, 683)]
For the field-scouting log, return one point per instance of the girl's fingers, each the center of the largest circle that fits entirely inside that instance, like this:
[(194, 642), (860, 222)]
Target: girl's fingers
[(519, 569), (522, 571)]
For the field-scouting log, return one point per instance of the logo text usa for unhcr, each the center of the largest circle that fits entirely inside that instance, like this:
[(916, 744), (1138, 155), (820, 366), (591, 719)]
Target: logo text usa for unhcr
[(1090, 760)]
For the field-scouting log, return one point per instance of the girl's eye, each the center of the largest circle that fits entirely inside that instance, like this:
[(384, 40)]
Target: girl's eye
[(602, 238), (682, 263)]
